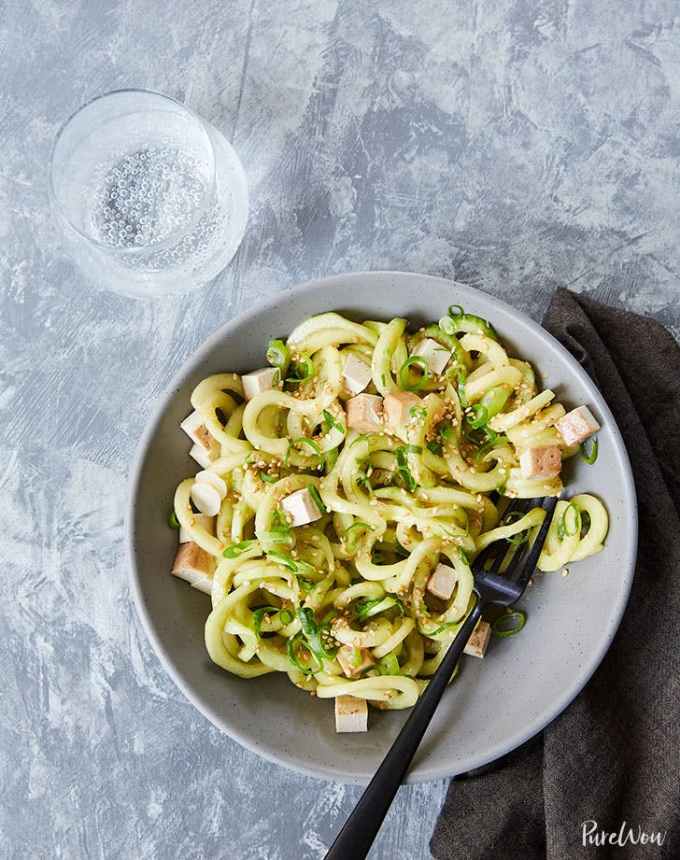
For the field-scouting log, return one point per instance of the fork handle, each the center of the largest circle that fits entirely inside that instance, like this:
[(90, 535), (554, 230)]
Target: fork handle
[(356, 837)]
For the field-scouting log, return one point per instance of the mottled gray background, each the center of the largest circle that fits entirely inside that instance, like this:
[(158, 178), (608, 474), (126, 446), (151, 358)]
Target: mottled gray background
[(517, 145)]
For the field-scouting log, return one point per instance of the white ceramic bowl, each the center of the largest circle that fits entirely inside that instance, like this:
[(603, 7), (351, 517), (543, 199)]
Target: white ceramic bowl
[(497, 703)]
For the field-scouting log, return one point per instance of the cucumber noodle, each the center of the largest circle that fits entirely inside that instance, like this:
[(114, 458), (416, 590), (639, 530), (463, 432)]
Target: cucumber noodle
[(393, 506)]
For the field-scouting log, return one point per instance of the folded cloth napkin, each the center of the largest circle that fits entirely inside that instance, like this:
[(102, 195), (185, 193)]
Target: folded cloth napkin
[(614, 755)]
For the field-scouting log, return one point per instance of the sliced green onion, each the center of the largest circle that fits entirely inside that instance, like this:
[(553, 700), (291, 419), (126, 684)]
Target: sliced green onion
[(316, 496), (509, 624), (173, 522), (589, 458), (359, 524), (278, 355), (521, 537), (418, 412), (269, 479), (278, 537), (286, 617), (404, 471), (481, 416), (282, 558), (446, 430), (310, 443), (303, 370), (279, 522), (330, 459), (350, 535), (329, 422), (259, 614), (435, 447), (292, 647), (389, 665), (362, 480), (305, 567), (312, 633), (305, 584), (565, 529), (369, 608), (413, 449), (448, 625), (456, 310), (235, 550), (406, 380)]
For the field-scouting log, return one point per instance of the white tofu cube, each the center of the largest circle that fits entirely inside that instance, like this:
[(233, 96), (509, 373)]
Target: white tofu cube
[(194, 565), (576, 426), (436, 356), (206, 498), (199, 434), (479, 641), (354, 661), (365, 413), (541, 462), (356, 374), (301, 508), (203, 522), (351, 714), (200, 455), (442, 582), (397, 407), (259, 381)]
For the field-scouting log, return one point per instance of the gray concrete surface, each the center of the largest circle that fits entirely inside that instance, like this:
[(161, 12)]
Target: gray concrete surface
[(517, 145)]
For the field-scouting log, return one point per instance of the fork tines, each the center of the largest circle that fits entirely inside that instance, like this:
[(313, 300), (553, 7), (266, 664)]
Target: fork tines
[(526, 555)]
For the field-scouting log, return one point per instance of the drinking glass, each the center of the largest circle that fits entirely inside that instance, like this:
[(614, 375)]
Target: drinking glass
[(150, 198)]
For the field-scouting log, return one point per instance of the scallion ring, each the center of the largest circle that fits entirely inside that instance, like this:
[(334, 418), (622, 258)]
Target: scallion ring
[(481, 416), (589, 458), (407, 381), (235, 550), (567, 528), (316, 497), (310, 443), (435, 447), (281, 558), (509, 624), (303, 370), (329, 422), (259, 614), (278, 355), (403, 469), (286, 617)]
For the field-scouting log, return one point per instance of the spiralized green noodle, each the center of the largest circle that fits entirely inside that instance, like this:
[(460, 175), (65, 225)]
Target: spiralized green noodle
[(393, 505)]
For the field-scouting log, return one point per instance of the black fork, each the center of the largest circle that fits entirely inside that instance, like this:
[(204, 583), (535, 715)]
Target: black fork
[(356, 837)]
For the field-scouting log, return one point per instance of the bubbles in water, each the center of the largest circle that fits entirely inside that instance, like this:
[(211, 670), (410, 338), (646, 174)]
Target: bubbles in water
[(147, 196)]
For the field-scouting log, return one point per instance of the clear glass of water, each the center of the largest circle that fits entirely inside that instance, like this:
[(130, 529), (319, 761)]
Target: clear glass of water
[(150, 198)]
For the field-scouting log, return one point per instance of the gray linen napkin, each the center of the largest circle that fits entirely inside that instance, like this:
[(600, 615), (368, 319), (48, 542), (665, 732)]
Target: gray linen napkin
[(614, 755)]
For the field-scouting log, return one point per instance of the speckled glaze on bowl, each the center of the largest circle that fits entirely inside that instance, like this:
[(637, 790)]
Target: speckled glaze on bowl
[(496, 704)]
